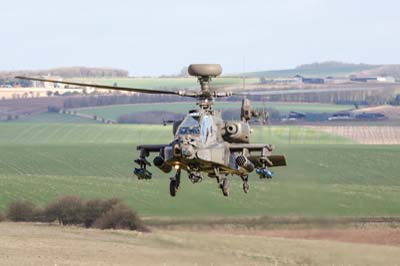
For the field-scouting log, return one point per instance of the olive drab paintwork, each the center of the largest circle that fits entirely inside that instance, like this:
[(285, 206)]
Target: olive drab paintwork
[(203, 143)]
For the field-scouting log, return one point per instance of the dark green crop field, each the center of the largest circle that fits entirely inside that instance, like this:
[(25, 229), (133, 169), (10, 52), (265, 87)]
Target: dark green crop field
[(326, 175), (114, 111)]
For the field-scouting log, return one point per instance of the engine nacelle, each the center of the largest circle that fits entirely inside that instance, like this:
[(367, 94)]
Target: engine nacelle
[(236, 132)]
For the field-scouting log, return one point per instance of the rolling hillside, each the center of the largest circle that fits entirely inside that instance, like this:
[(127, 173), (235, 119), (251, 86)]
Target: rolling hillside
[(323, 69), (113, 112), (40, 162)]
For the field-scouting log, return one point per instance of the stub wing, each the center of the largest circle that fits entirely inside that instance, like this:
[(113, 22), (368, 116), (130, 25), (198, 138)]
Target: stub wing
[(263, 156), (145, 151), (152, 147), (272, 160)]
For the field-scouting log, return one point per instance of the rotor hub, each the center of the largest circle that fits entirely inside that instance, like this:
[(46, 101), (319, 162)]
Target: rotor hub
[(204, 74)]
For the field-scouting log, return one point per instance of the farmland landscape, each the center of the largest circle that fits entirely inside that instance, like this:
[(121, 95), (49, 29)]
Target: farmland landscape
[(114, 111), (95, 160), (337, 196), (336, 199), (329, 183), (172, 247), (200, 133)]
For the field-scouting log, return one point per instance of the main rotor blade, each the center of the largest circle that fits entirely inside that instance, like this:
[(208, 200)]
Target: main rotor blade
[(298, 91), (179, 93)]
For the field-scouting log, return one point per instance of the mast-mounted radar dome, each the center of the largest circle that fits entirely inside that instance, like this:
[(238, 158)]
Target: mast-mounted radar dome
[(205, 70)]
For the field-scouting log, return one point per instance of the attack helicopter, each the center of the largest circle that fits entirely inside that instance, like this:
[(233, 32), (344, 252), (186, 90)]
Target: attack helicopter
[(203, 143)]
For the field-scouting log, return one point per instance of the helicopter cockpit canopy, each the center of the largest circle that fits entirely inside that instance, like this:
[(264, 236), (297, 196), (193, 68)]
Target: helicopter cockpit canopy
[(189, 126), (207, 131)]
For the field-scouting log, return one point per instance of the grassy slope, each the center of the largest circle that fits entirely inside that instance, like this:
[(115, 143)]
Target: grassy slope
[(42, 161), (65, 134), (47, 117), (113, 112)]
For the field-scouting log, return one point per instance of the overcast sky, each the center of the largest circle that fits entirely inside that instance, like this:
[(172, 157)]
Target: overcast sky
[(156, 37)]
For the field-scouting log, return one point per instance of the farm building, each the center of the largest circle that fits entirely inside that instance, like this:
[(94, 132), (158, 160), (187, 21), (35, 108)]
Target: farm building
[(294, 80), (341, 116), (294, 116), (363, 79), (370, 116), (335, 80), (311, 80), (387, 79)]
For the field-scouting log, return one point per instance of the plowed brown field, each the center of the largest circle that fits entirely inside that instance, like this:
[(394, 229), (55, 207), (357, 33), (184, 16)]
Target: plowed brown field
[(364, 134)]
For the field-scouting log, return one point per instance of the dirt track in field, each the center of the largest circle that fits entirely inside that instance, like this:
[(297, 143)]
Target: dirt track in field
[(378, 236), (362, 230)]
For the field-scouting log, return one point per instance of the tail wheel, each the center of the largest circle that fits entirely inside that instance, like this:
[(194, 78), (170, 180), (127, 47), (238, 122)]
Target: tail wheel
[(172, 187), (225, 187)]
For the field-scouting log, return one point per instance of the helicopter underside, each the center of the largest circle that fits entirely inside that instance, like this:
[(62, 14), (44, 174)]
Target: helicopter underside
[(221, 161), (206, 167)]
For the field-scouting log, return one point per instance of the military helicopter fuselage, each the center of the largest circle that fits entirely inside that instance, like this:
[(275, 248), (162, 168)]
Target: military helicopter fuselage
[(206, 144), (203, 143)]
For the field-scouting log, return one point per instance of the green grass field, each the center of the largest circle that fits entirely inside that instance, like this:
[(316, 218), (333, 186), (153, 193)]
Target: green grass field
[(40, 162), (114, 111), (68, 133)]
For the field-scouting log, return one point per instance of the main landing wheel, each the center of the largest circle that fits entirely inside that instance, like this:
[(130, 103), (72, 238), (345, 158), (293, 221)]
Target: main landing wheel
[(172, 187)]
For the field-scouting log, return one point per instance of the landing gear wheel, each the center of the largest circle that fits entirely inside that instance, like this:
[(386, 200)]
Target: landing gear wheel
[(225, 187), (246, 187), (177, 179), (172, 187)]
